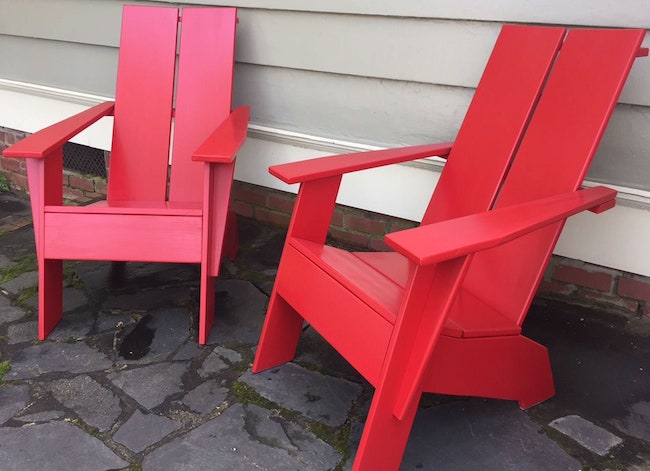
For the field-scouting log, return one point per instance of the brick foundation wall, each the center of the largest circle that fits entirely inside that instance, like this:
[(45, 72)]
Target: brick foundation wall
[(566, 279)]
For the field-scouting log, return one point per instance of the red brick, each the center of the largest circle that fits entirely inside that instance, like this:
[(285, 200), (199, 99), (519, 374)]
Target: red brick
[(101, 186), (352, 238), (243, 209), (337, 217), (633, 288), (19, 181), (248, 196), (581, 277), (272, 217), (552, 287), (364, 224), (645, 311), (284, 204), (378, 244), (82, 183), (72, 193), (626, 304), (401, 224), (13, 165)]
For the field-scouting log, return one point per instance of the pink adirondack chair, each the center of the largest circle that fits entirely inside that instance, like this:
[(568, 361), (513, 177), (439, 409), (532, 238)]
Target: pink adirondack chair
[(148, 216), (443, 312)]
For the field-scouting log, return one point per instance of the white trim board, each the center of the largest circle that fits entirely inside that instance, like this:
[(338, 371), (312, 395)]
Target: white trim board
[(616, 238)]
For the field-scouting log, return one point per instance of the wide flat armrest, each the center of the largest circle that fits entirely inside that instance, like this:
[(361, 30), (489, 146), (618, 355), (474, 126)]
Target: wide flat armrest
[(323, 167), (42, 142), (446, 240), (222, 145)]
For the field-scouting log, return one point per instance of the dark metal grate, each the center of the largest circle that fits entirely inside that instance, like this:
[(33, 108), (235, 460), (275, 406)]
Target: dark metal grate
[(84, 159)]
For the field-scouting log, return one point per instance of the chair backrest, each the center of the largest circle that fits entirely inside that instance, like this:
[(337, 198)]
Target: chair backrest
[(147, 88), (554, 156), (493, 125)]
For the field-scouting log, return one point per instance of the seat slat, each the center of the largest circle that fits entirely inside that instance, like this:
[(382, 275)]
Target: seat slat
[(132, 207)]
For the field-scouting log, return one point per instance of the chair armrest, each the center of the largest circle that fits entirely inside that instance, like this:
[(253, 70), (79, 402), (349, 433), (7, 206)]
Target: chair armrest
[(222, 145), (43, 142), (446, 240), (323, 167)]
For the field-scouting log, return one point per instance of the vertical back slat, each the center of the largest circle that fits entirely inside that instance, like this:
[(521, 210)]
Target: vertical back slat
[(554, 156), (491, 131), (204, 92), (143, 104)]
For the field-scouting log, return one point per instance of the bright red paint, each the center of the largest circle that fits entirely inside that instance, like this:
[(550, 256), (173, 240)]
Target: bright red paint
[(443, 312), (139, 221)]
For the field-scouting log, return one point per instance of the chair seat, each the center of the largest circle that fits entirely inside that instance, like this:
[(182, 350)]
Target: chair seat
[(164, 208), (379, 278)]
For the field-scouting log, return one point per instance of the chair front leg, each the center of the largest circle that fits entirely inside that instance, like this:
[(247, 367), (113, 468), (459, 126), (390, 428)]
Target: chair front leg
[(45, 188), (217, 185), (311, 218)]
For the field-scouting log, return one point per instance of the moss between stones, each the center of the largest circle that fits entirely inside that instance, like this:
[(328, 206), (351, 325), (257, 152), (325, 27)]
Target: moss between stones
[(4, 369), (26, 294), (248, 395), (4, 184), (337, 437), (23, 264)]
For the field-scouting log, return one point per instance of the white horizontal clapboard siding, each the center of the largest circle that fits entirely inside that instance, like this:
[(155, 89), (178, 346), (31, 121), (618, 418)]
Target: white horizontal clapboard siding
[(328, 76)]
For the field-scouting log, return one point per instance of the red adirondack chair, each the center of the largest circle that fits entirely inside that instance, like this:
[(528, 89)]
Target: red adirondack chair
[(148, 216), (443, 312)]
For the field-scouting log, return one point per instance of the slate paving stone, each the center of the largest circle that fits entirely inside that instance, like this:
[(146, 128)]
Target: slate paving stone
[(23, 332), (13, 399), (637, 421), (151, 385), (587, 434), (205, 397), (188, 351), (490, 435), (170, 329), (96, 405), (218, 360), (45, 416), (73, 326), (9, 313), (148, 299), (239, 313), (49, 357), (320, 397), (231, 356), (143, 430), (55, 446), (21, 282), (242, 438), (5, 262), (72, 299), (112, 320)]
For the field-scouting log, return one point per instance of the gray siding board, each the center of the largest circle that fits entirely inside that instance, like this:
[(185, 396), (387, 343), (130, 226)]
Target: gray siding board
[(70, 66), (358, 109), (623, 157), (628, 13), (81, 21)]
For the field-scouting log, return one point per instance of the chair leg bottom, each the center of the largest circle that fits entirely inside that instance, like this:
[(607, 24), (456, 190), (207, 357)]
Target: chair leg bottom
[(206, 306), (50, 296), (280, 335)]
